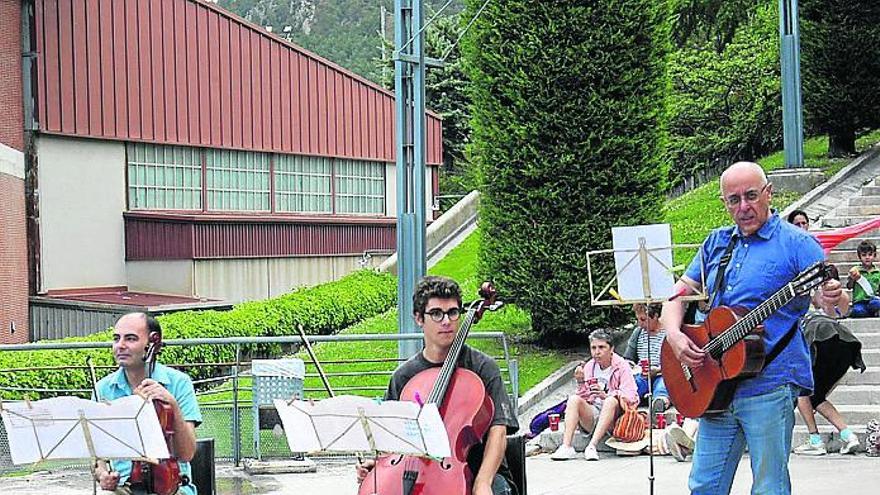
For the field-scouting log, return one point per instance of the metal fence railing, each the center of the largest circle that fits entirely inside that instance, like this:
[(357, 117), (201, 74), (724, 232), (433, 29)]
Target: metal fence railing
[(225, 399)]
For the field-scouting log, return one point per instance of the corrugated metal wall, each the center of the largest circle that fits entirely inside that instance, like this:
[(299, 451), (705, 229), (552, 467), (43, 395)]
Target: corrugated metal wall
[(52, 321), (156, 236), (185, 72)]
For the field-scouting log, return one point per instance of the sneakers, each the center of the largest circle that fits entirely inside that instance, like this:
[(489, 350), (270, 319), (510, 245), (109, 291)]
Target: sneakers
[(809, 448), (564, 453), (678, 442), (590, 453), (679, 436), (851, 445)]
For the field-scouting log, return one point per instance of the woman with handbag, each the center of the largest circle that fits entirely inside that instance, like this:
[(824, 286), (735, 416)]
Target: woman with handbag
[(605, 387)]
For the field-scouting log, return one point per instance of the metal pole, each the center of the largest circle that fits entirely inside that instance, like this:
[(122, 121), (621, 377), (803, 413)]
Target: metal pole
[(409, 79), (236, 416), (792, 108)]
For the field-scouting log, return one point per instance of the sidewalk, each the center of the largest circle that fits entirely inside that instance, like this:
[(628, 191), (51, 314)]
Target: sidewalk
[(611, 474)]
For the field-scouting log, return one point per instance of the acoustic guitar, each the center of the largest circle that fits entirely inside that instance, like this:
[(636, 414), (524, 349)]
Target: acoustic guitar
[(733, 340)]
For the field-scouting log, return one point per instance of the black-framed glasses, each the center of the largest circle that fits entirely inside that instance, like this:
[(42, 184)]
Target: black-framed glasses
[(437, 314), (751, 197)]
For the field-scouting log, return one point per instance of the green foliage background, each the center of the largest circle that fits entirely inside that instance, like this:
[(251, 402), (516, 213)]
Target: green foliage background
[(726, 104), (840, 47), (568, 133)]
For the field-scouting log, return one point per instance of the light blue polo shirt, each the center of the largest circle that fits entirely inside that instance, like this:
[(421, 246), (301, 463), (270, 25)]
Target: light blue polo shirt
[(761, 264), (115, 386)]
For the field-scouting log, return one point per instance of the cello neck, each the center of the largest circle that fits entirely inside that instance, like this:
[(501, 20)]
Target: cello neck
[(449, 364)]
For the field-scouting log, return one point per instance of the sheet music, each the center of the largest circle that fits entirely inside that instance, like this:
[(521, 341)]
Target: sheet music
[(658, 242), (337, 425), (126, 428)]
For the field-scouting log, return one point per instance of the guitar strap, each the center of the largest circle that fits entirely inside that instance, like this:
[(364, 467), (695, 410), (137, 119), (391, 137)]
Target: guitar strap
[(722, 268), (782, 344)]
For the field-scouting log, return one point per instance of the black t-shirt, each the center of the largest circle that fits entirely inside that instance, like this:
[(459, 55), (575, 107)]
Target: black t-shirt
[(486, 368)]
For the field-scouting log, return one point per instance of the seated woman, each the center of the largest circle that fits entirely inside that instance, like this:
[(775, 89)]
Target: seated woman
[(603, 382), (644, 344)]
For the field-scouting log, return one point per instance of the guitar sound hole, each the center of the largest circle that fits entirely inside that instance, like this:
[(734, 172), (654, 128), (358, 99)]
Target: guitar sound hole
[(395, 462), (445, 464)]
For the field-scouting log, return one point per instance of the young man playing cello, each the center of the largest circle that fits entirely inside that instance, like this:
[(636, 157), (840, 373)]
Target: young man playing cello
[(437, 310), (131, 335)]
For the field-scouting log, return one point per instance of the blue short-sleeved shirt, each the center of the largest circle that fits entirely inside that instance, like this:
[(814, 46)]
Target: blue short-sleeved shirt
[(115, 386), (761, 264)]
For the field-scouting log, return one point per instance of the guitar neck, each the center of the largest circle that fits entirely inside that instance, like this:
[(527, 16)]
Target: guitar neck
[(738, 331)]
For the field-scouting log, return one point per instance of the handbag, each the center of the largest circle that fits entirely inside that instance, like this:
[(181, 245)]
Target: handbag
[(630, 426)]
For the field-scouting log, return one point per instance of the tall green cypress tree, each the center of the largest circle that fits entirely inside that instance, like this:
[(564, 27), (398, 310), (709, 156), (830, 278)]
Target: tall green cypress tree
[(568, 132), (840, 47)]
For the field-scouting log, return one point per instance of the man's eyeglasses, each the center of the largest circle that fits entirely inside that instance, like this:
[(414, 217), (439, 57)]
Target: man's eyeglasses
[(437, 314), (751, 197)]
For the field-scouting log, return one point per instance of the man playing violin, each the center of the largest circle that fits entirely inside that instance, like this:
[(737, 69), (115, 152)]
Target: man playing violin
[(437, 309), (766, 254), (130, 339)]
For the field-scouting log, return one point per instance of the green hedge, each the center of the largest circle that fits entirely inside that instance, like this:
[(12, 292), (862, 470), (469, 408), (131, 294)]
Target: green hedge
[(568, 133), (321, 310)]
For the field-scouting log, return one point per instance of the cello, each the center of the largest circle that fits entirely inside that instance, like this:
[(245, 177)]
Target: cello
[(163, 477), (467, 411)]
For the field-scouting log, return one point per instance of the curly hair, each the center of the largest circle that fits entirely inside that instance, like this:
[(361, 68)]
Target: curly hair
[(653, 309), (433, 286)]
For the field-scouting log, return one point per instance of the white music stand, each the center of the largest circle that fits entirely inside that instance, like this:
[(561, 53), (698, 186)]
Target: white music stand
[(75, 428), (352, 424), (644, 271)]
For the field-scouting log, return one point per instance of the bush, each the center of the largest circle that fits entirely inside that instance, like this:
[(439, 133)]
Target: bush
[(321, 310), (568, 132)]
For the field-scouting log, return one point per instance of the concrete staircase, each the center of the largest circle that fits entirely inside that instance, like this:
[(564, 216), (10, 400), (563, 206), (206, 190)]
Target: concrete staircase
[(858, 395)]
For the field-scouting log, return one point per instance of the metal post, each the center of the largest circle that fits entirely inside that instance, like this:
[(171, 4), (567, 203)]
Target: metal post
[(236, 415), (792, 109), (409, 88)]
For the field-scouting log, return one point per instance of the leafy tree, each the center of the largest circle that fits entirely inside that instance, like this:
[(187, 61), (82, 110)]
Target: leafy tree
[(726, 105), (568, 133), (840, 47), (711, 21)]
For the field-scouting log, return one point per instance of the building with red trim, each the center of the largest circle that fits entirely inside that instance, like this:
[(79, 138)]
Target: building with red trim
[(172, 147)]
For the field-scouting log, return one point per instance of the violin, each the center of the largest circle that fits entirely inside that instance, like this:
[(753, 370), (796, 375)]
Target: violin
[(163, 477), (467, 411)]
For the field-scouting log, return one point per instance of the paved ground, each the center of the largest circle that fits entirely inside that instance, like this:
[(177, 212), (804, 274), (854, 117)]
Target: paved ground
[(810, 476)]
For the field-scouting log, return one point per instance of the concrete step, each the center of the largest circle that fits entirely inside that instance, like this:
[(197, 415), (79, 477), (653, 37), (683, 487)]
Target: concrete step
[(830, 436), (870, 340), (857, 210), (854, 415), (845, 221), (852, 244), (870, 190), (864, 200), (871, 376), (871, 357), (862, 325), (843, 256), (854, 395)]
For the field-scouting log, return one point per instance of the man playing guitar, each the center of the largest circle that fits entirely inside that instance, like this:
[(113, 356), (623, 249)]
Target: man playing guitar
[(766, 254), (131, 336)]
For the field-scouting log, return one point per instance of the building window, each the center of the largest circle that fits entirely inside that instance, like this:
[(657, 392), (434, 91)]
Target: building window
[(164, 177), (302, 184), (237, 180), (360, 187)]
